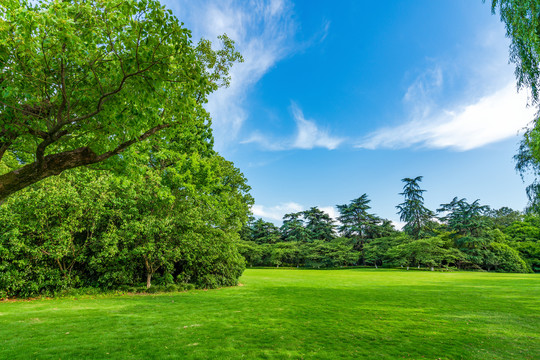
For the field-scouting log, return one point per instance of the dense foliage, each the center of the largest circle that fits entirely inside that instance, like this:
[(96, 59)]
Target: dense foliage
[(84, 83), (464, 236), (522, 22), (91, 228)]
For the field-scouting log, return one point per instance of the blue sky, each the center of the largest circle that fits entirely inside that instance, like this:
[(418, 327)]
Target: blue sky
[(336, 99)]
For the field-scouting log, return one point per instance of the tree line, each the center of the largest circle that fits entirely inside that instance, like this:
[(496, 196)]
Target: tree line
[(459, 235)]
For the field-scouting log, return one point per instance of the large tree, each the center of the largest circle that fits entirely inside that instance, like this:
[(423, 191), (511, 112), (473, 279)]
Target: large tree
[(355, 219), (293, 228), (320, 225), (412, 211), (466, 219), (522, 21), (357, 223), (101, 229), (264, 232), (81, 81)]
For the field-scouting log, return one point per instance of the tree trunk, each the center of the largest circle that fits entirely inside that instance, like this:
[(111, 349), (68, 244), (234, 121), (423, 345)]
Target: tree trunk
[(376, 267), (148, 279), (419, 266), (407, 267), (432, 269)]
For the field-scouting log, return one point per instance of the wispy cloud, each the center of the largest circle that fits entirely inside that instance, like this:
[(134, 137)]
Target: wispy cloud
[(460, 103), (491, 118), (419, 95), (308, 136), (487, 108), (264, 34)]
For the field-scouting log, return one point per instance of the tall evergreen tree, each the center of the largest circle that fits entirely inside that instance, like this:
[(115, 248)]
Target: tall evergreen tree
[(355, 220), (264, 232), (412, 211), (464, 218), (359, 225), (293, 228), (320, 225)]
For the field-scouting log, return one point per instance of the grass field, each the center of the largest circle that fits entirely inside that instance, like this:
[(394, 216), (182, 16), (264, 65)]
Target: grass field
[(298, 314)]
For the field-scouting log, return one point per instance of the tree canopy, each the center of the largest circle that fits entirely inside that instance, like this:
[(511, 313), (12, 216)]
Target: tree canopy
[(81, 81), (522, 21)]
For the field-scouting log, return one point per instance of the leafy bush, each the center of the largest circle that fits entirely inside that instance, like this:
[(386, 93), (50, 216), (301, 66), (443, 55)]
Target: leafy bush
[(88, 229), (508, 259)]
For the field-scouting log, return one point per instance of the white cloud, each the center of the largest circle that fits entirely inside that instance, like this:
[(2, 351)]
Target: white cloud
[(460, 103), (265, 142), (276, 212), (308, 136), (424, 86), (492, 118), (263, 31), (330, 210), (398, 225), (419, 95)]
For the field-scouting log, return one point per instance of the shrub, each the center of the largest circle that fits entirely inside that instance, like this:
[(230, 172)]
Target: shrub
[(508, 259), (154, 289)]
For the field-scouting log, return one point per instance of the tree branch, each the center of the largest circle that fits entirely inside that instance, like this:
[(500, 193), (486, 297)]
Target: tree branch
[(55, 164)]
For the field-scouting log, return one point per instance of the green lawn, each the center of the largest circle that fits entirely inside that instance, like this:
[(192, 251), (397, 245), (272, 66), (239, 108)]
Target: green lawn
[(298, 314)]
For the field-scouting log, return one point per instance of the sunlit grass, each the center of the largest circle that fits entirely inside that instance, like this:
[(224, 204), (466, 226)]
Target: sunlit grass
[(310, 314)]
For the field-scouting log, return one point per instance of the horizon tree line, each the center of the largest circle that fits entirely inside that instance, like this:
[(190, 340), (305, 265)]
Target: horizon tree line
[(459, 235)]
